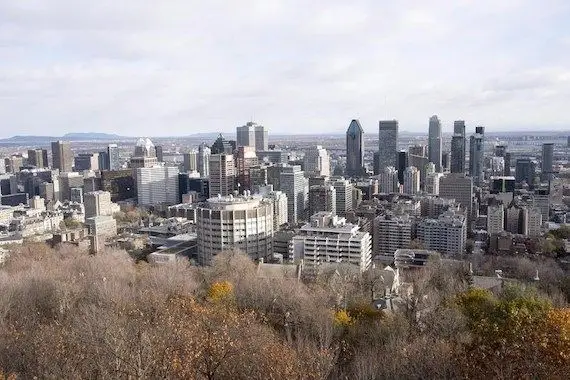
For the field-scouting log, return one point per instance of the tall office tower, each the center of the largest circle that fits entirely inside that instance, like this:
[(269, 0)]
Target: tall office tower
[(157, 185), (37, 158), (517, 219), (252, 134), (343, 189), (245, 159), (376, 163), (387, 144), (459, 187), (242, 223), (191, 161), (145, 155), (97, 203), (501, 151), (447, 234), (525, 171), (411, 180), (432, 183), (458, 147), (402, 161), (204, 153), (222, 146), (495, 218), (389, 180), (103, 160), (477, 156), (159, 153), (14, 163), (62, 156), (445, 161), (86, 161), (507, 164), (317, 162), (541, 200), (534, 222), (67, 181), (293, 183), (434, 142), (279, 200), (417, 150), (113, 155), (354, 149), (76, 195), (330, 239), (391, 233), (322, 198), (222, 175), (547, 161)]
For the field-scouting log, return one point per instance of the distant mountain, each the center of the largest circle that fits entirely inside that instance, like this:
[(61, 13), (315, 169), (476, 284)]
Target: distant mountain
[(90, 136)]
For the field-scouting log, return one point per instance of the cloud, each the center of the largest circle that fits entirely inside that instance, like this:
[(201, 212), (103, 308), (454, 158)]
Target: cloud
[(180, 67)]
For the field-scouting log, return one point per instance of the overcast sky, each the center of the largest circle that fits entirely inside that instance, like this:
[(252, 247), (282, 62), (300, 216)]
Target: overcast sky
[(156, 68)]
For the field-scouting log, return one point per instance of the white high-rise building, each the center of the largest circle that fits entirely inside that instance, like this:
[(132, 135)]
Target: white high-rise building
[(203, 160), (280, 208), (343, 189), (191, 161), (446, 234), (534, 222), (157, 185), (97, 203), (434, 142), (432, 183), (317, 162), (389, 180), (293, 183), (243, 222), (222, 174), (328, 238), (411, 180), (391, 233), (495, 218)]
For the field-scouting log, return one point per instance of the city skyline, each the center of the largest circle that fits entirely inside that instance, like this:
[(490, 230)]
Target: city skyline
[(134, 68)]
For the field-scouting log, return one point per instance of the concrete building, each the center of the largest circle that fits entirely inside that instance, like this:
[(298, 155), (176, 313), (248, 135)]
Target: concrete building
[(328, 238), (67, 181), (459, 187), (435, 142), (190, 161), (516, 219), (389, 180), (273, 156), (354, 149), (245, 158), (86, 161), (534, 222), (101, 228), (391, 233), (253, 135), (387, 144), (113, 157), (157, 185), (76, 195), (477, 156), (322, 198), (547, 161), (446, 234), (62, 156), (294, 184), (495, 218), (226, 223), (203, 159), (222, 174), (343, 189), (97, 203), (525, 171), (411, 180), (432, 183), (280, 207), (38, 158), (458, 147), (317, 162), (223, 146)]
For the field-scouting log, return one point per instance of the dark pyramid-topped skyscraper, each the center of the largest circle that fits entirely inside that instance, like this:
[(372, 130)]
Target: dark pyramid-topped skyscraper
[(354, 149)]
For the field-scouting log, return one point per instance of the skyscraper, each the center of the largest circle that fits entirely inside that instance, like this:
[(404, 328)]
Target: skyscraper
[(157, 184), (434, 142), (293, 183), (204, 160), (402, 160), (245, 158), (476, 155), (222, 175), (458, 148), (252, 134), (387, 144), (547, 161), (113, 156), (322, 198), (317, 162), (223, 146), (525, 171), (411, 180), (343, 189), (191, 161), (37, 158), (354, 149), (389, 180), (62, 156)]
